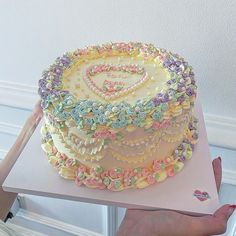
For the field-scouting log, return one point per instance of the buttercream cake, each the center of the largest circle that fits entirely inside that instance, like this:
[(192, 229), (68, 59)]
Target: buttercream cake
[(118, 115)]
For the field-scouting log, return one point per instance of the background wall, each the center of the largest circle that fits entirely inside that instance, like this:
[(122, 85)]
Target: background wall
[(33, 33)]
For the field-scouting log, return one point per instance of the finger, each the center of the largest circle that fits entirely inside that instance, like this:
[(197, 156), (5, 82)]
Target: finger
[(216, 163), (214, 224)]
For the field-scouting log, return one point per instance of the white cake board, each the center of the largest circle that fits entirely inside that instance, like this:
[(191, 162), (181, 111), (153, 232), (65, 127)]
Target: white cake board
[(32, 174)]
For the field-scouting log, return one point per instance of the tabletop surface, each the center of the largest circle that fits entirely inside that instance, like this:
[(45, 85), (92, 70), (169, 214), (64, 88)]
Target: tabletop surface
[(32, 174)]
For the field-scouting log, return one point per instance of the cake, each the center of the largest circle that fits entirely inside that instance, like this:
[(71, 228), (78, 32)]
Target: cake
[(118, 115)]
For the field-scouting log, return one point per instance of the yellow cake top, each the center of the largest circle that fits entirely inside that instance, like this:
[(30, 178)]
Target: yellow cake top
[(115, 77)]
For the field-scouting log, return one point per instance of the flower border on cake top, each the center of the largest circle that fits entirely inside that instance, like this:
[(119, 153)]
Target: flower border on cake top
[(118, 178), (63, 109)]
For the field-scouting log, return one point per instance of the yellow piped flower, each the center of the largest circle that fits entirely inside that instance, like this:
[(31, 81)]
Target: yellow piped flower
[(47, 147), (130, 128), (52, 160), (162, 176), (148, 123), (186, 104), (189, 154), (68, 172), (179, 165), (142, 184)]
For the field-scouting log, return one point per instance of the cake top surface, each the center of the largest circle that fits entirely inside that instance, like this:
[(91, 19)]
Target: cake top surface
[(120, 83), (115, 76)]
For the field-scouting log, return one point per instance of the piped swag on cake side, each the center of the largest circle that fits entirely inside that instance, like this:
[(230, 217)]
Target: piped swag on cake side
[(117, 178), (111, 121)]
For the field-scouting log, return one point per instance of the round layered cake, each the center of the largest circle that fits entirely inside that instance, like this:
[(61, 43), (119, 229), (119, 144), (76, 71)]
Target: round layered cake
[(118, 115)]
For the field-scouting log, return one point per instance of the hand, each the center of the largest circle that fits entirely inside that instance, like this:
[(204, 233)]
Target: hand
[(171, 223)]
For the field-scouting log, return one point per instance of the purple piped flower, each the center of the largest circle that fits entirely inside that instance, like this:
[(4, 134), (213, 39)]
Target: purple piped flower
[(182, 158), (190, 126), (65, 60), (157, 101), (165, 98), (180, 87), (178, 63), (189, 92), (43, 93), (185, 63), (191, 73), (181, 147), (58, 70), (193, 81), (178, 69), (56, 82), (167, 63), (173, 80), (42, 83), (172, 68), (159, 95), (45, 74), (181, 99)]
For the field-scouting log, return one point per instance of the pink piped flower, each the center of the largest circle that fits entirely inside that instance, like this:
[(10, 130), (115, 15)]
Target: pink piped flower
[(54, 150), (69, 162), (82, 52), (170, 172), (78, 181), (81, 168), (130, 172), (101, 186), (127, 181), (127, 172), (120, 175), (92, 171), (113, 174), (58, 165), (145, 172), (165, 124), (63, 156), (167, 160), (93, 182), (151, 179), (162, 125), (104, 174), (156, 165), (111, 186), (156, 125)]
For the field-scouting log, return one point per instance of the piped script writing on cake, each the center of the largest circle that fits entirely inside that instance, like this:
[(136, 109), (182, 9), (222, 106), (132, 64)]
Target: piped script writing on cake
[(119, 115)]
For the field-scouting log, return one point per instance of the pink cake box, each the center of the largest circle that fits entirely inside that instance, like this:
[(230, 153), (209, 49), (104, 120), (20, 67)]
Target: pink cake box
[(193, 190)]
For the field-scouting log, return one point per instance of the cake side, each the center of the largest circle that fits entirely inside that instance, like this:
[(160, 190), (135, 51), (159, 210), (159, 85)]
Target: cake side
[(117, 178)]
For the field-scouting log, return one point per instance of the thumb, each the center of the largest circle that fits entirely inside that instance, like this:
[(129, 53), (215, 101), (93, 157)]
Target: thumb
[(224, 212), (217, 223)]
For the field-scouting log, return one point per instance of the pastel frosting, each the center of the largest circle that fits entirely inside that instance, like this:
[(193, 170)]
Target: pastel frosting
[(117, 109)]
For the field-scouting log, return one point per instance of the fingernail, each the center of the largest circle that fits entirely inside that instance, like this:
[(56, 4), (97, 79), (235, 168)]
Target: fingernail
[(219, 158), (231, 209)]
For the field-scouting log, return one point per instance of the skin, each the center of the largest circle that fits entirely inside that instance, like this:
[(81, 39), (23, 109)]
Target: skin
[(171, 223)]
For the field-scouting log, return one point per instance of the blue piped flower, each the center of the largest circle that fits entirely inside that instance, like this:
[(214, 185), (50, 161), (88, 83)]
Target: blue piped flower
[(163, 106), (157, 116)]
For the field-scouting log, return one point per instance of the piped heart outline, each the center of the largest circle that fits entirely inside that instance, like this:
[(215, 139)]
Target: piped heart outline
[(109, 95)]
